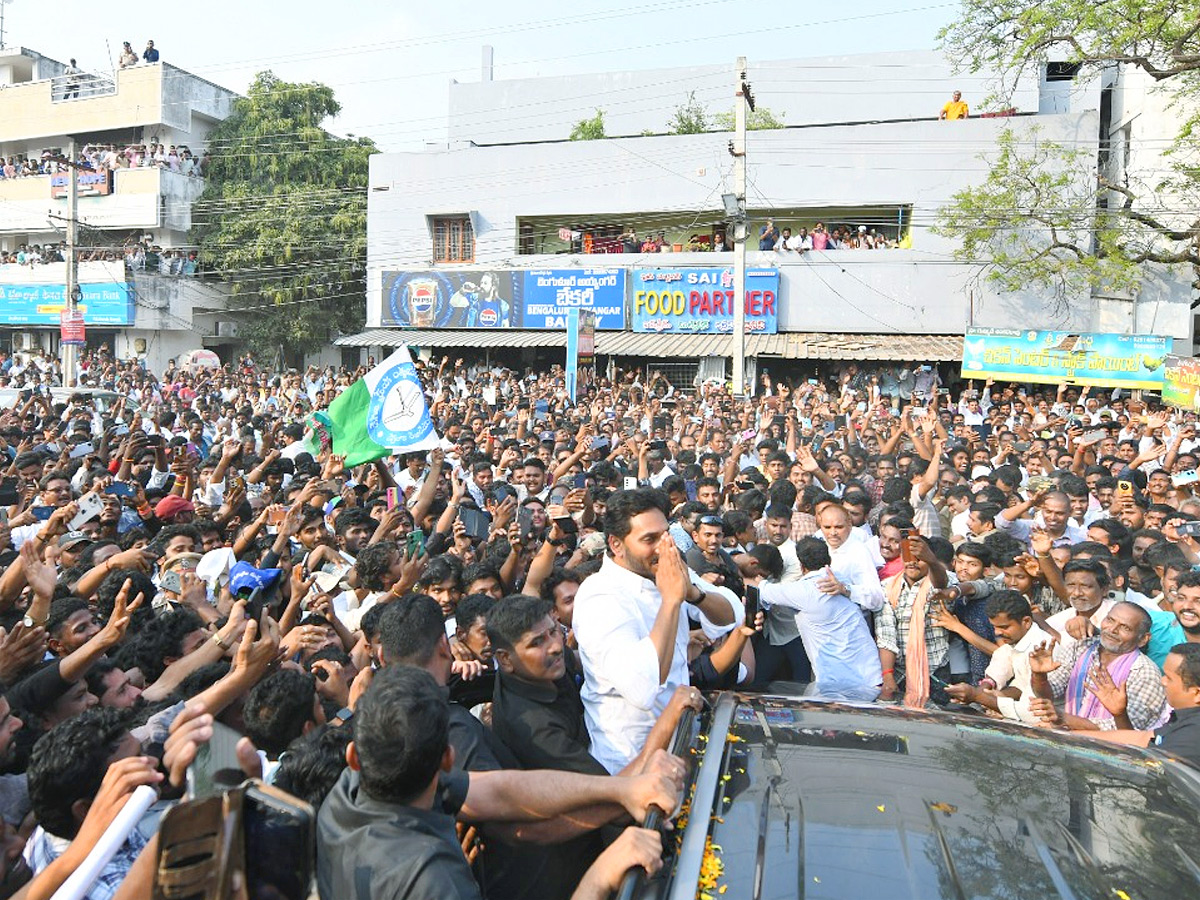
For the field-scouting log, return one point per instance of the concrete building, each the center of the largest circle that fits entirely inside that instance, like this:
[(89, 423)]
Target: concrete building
[(154, 309), (510, 201)]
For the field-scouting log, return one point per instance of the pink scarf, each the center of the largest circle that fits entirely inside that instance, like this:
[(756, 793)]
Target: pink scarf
[(1082, 702), (916, 656)]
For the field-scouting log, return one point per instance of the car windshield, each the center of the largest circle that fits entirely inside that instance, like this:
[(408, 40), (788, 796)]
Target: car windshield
[(941, 807)]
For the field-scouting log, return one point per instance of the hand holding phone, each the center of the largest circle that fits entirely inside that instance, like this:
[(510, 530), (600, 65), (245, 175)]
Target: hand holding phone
[(753, 605), (415, 544)]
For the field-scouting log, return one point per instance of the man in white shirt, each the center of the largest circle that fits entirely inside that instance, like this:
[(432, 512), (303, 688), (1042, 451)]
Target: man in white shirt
[(1010, 688), (631, 623), (844, 657), (1055, 514), (293, 437), (853, 572), (657, 470)]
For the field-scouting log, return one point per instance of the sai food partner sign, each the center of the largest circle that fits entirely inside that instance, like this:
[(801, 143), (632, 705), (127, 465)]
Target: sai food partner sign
[(688, 300), (1051, 357)]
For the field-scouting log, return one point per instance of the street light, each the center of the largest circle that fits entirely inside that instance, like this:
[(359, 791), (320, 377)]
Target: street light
[(733, 207)]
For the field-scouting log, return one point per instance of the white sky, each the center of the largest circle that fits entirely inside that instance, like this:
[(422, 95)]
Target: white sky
[(389, 63)]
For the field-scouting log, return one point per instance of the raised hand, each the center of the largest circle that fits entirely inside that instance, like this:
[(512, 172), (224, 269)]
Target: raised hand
[(40, 575), (20, 649), (1041, 658), (1040, 541), (118, 623)]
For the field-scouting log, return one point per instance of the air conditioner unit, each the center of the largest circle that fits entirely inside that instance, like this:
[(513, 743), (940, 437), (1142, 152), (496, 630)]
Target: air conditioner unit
[(24, 341), (227, 329)]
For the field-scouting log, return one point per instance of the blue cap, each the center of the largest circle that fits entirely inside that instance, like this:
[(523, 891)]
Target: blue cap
[(243, 577)]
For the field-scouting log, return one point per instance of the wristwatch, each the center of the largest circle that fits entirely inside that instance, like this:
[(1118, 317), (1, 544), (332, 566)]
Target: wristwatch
[(216, 639), (28, 622), (694, 600), (344, 715)]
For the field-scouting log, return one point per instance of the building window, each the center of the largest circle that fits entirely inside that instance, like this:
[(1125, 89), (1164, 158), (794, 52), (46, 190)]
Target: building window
[(453, 240)]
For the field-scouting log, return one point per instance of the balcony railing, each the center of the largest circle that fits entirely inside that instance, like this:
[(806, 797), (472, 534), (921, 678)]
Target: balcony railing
[(80, 86)]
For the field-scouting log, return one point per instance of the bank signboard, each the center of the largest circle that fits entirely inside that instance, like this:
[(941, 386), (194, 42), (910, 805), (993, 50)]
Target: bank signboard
[(43, 304)]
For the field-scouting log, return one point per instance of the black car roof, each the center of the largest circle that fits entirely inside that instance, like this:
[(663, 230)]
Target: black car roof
[(818, 799)]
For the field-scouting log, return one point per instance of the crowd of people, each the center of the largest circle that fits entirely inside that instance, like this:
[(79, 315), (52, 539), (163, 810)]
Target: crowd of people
[(770, 237), (138, 255), (470, 660), (839, 237), (109, 158)]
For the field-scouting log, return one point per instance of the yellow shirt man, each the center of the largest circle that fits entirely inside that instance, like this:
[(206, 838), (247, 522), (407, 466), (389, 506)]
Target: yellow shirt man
[(955, 109)]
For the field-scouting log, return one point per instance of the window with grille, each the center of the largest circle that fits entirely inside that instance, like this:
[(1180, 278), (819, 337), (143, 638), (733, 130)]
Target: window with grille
[(453, 240)]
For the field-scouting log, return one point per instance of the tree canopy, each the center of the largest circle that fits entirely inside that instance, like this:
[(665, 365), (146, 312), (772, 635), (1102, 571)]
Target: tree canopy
[(283, 216), (690, 117), (1052, 216), (589, 129)]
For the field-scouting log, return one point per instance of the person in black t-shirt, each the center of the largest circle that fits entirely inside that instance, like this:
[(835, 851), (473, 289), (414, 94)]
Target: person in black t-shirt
[(536, 709), (387, 828)]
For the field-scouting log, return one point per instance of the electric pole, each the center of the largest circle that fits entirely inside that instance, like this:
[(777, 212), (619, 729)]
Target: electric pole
[(68, 350), (743, 98)]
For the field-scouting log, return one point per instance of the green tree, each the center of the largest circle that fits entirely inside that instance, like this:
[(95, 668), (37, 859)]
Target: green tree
[(690, 117), (1033, 223), (283, 217), (589, 129), (760, 119)]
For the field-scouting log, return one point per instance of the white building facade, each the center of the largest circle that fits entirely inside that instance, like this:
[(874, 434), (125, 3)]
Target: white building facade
[(510, 201), (156, 308)]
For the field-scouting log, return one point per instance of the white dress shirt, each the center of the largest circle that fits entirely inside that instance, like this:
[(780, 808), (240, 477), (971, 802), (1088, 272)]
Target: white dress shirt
[(780, 626), (622, 695), (1009, 667), (839, 644), (853, 566), (1021, 529)]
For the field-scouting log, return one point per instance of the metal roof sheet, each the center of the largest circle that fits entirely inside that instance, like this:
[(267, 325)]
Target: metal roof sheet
[(788, 345)]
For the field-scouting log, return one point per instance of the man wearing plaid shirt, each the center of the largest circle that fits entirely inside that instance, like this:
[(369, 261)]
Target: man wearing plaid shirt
[(43, 848), (923, 573), (1106, 682), (65, 776)]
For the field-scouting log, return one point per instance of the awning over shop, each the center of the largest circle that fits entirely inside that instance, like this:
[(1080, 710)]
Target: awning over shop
[(428, 337), (792, 345)]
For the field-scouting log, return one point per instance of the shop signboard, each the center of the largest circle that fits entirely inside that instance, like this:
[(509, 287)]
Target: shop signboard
[(691, 300), (1181, 382), (1053, 357)]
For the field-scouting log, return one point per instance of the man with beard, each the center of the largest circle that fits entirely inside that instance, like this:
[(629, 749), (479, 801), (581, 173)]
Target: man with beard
[(1107, 682), (353, 528), (710, 559), (631, 621), (14, 794), (113, 687), (1185, 601), (1180, 736)]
